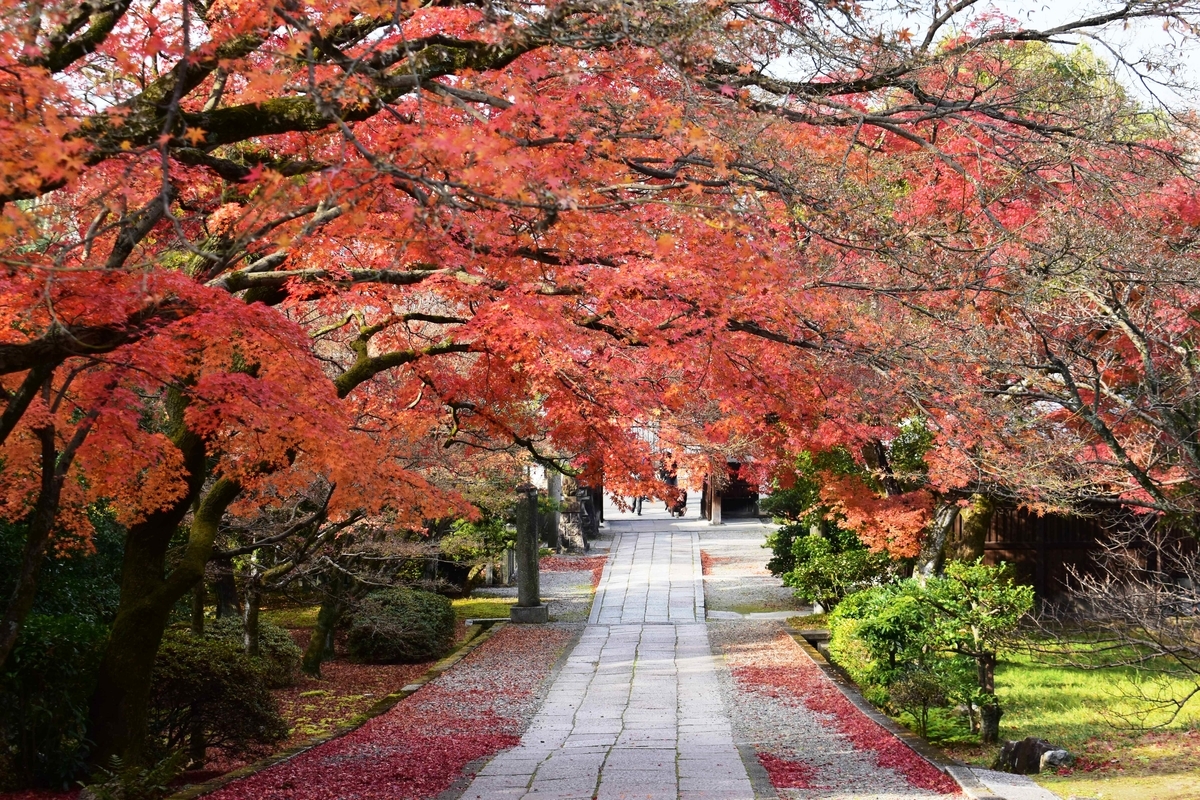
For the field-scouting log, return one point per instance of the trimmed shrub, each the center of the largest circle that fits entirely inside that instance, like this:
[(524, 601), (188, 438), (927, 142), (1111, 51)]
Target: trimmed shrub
[(948, 631), (280, 655), (827, 568), (206, 686), (44, 691), (400, 625)]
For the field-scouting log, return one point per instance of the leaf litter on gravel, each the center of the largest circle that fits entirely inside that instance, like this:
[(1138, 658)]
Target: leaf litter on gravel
[(421, 746), (774, 666)]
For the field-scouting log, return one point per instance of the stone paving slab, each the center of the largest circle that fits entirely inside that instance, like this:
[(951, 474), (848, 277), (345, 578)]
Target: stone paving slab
[(1013, 787), (636, 710)]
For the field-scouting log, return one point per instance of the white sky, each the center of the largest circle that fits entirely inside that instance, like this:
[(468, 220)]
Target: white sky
[(1176, 57)]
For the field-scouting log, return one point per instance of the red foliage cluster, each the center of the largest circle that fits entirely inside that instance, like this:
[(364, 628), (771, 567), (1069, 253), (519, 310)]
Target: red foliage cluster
[(593, 564), (804, 681), (1085, 764), (787, 774), (422, 745), (706, 562)]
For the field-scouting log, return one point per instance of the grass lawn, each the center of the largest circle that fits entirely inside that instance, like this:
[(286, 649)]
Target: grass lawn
[(1082, 711), (482, 607)]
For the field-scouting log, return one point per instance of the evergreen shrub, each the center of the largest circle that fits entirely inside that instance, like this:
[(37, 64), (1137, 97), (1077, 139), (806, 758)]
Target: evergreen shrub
[(400, 625)]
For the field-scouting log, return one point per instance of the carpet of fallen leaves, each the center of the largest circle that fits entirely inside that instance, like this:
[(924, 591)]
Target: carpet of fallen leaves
[(317, 706), (421, 746), (593, 564), (787, 774), (314, 706), (708, 561), (801, 680)]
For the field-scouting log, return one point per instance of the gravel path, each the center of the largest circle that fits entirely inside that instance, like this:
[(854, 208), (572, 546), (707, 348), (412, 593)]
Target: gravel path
[(770, 683), (419, 748), (1013, 787), (736, 580)]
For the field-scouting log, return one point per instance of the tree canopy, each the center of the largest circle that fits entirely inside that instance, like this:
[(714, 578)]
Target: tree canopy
[(252, 247)]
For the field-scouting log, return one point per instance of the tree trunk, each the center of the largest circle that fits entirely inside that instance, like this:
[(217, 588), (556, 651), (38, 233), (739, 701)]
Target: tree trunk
[(989, 708), (18, 402), (251, 603), (932, 556), (554, 487), (37, 536), (875, 454), (320, 646), (225, 588), (197, 742), (198, 598), (119, 708), (55, 466), (967, 543), (118, 722), (989, 722)]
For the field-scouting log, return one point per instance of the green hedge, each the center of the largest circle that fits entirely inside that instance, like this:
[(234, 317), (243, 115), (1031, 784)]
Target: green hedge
[(279, 654), (400, 626), (205, 683), (44, 692)]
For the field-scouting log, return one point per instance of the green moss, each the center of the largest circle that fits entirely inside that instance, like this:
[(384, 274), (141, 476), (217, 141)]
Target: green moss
[(809, 622), (291, 617), (1082, 710), (482, 607)]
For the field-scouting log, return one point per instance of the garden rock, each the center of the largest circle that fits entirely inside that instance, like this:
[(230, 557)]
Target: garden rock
[(1023, 757), (1056, 759)]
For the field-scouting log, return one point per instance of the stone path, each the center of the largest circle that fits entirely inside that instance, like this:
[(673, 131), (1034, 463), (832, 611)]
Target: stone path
[(636, 712)]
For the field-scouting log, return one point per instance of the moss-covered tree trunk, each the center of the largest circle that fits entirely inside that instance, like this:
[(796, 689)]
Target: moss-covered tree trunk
[(966, 543), (119, 708), (251, 602), (320, 646), (198, 598)]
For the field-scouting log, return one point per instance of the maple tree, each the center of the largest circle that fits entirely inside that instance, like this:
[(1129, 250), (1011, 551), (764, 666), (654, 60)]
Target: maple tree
[(253, 248)]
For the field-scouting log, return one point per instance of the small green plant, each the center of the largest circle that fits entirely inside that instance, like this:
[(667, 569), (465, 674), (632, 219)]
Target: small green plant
[(119, 782), (400, 625), (918, 692), (976, 610), (829, 567)]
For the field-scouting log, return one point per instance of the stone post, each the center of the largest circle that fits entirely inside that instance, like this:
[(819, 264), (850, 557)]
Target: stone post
[(529, 606), (717, 478), (554, 491)]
